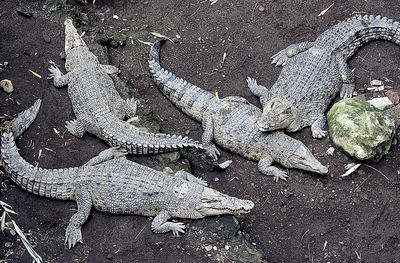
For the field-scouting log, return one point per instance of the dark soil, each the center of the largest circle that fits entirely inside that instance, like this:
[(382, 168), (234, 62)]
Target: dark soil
[(309, 218)]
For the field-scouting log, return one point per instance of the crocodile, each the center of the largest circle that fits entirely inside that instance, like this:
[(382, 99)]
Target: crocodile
[(314, 73), (232, 123), (100, 110), (110, 183)]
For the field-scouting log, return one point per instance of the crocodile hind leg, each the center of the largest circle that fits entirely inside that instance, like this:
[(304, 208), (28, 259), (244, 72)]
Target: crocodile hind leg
[(265, 167), (108, 154), (160, 224), (59, 79), (207, 137), (190, 177), (258, 90), (73, 233), (75, 128), (283, 56), (347, 77), (317, 127)]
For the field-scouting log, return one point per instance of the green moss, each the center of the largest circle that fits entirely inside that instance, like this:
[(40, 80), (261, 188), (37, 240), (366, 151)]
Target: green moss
[(360, 129)]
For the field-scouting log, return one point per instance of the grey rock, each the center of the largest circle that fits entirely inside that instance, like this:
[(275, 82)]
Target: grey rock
[(360, 129)]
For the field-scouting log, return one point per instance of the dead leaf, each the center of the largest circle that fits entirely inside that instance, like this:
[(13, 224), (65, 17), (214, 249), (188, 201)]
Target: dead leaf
[(35, 74), (326, 9)]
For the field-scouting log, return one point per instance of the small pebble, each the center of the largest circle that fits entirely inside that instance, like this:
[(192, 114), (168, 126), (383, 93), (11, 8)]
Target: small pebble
[(27, 52), (261, 8), (115, 17), (6, 85), (8, 244), (24, 12), (47, 38), (216, 179), (208, 247), (376, 82)]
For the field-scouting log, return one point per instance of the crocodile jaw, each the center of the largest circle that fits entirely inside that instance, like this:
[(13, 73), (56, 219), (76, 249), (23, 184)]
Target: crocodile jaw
[(214, 203), (303, 159), (72, 38)]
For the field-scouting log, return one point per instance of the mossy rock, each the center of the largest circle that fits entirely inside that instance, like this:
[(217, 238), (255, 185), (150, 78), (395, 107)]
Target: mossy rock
[(360, 129)]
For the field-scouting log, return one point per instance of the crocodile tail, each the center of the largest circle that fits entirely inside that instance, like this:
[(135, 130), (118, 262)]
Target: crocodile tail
[(189, 98), (43, 182), (119, 133), (363, 29), (20, 124)]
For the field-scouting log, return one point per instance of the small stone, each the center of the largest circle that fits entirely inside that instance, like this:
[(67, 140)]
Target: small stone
[(110, 257), (47, 38), (208, 248), (330, 151), (283, 209), (115, 17), (168, 170), (215, 248), (27, 52), (216, 179), (381, 102), (62, 55), (8, 244), (227, 247), (24, 12), (376, 82), (261, 8), (187, 132), (6, 85)]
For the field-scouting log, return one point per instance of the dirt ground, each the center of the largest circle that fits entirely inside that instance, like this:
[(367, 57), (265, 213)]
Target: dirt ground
[(309, 218)]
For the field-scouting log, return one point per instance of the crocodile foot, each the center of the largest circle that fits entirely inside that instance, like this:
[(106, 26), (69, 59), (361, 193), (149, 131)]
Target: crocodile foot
[(278, 174), (213, 151), (318, 133), (73, 235), (176, 228), (131, 107), (75, 128), (280, 58), (347, 90)]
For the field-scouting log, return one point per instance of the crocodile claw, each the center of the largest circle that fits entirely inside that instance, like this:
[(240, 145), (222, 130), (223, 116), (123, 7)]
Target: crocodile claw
[(280, 58), (54, 72), (73, 235), (318, 133), (213, 151), (280, 175), (177, 228), (347, 90)]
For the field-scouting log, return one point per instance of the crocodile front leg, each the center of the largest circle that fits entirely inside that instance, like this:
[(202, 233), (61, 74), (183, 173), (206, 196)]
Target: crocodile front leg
[(347, 77), (258, 90), (190, 177), (73, 233), (108, 154), (75, 128), (265, 167), (208, 135), (283, 56), (160, 224), (59, 79), (317, 128)]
